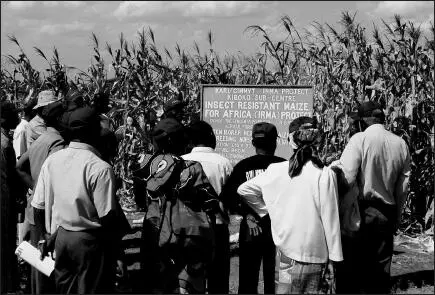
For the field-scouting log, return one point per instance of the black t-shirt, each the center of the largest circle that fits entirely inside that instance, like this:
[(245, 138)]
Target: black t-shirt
[(244, 170)]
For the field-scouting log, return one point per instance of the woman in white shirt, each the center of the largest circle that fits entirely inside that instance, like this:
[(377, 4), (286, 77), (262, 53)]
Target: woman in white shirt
[(300, 196)]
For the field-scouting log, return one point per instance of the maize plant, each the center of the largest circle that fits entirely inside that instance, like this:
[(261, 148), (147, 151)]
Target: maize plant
[(345, 65)]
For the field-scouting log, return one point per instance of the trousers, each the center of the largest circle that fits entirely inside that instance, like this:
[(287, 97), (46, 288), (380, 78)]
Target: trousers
[(253, 250), (366, 268), (39, 283), (84, 263), (218, 281)]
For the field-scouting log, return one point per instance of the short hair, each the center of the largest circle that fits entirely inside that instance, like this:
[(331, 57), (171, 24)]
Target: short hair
[(200, 132), (101, 102), (267, 144)]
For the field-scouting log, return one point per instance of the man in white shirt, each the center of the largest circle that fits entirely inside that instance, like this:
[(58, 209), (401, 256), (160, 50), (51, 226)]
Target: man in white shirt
[(300, 196), (217, 169), (20, 147), (378, 161), (75, 200), (20, 141)]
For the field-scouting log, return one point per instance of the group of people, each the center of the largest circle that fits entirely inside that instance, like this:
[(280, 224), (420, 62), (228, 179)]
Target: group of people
[(314, 228)]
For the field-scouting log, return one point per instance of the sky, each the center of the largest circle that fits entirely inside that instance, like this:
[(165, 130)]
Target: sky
[(68, 24)]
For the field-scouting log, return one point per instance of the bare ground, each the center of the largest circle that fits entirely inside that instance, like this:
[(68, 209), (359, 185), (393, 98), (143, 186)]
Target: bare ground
[(412, 272)]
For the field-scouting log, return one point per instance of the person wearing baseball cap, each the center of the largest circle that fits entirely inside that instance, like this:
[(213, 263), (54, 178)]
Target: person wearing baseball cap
[(378, 161), (76, 189), (188, 253), (255, 239), (173, 108), (37, 125), (169, 136), (300, 196)]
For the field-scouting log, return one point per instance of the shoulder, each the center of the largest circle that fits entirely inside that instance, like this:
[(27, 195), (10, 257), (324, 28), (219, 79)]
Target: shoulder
[(245, 162), (357, 137), (327, 175), (277, 167), (99, 163), (223, 160), (276, 159), (100, 168), (396, 138)]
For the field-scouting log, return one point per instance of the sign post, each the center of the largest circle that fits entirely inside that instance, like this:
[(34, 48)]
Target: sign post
[(232, 110)]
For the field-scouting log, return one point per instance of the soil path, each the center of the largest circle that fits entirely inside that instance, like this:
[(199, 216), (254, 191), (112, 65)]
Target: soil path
[(412, 272)]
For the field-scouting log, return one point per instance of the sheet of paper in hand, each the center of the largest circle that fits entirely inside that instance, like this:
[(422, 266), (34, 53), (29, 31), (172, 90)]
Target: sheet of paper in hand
[(32, 256)]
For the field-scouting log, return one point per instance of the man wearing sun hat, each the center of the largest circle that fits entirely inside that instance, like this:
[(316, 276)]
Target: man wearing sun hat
[(37, 125), (35, 128), (379, 162)]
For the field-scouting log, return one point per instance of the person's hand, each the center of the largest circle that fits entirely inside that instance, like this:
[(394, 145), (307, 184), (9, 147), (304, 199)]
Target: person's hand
[(47, 245), (254, 228), (120, 268), (42, 246)]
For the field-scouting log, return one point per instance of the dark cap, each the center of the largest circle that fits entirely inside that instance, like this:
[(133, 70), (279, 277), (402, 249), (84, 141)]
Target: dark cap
[(74, 98), (166, 127), (173, 103), (370, 109), (302, 123), (264, 129), (52, 112), (8, 110), (83, 119)]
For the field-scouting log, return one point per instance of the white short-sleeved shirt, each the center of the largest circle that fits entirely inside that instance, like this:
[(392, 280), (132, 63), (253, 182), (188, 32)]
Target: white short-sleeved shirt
[(381, 162), (216, 167), (75, 188)]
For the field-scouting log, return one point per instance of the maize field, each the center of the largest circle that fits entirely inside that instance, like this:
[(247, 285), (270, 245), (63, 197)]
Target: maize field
[(345, 65)]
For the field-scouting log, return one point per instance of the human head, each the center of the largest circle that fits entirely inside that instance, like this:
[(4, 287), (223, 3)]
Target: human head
[(304, 137), (84, 125), (201, 133), (168, 137), (107, 145), (264, 137), (356, 124), (400, 125), (74, 99), (130, 121), (101, 102), (45, 98), (371, 113), (52, 114), (28, 110), (173, 108), (9, 115)]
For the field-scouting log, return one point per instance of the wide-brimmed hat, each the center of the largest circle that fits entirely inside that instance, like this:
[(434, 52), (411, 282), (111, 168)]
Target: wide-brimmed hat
[(45, 98)]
